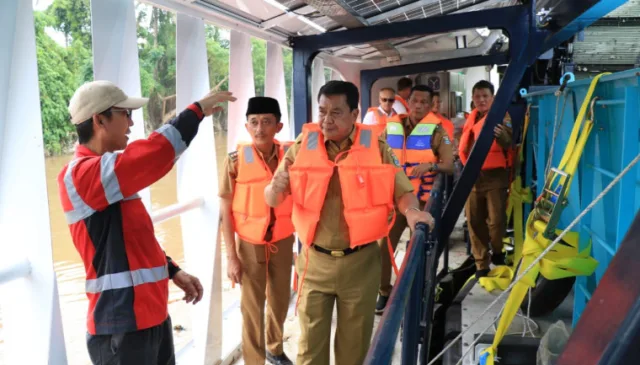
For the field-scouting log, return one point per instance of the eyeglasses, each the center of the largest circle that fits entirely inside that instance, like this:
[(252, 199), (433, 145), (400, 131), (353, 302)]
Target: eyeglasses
[(385, 100), (128, 112)]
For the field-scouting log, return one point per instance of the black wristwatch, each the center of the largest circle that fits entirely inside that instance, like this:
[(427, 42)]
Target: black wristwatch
[(434, 167)]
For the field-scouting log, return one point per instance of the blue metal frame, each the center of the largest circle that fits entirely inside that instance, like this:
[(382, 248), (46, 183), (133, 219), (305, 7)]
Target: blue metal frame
[(369, 77), (305, 48)]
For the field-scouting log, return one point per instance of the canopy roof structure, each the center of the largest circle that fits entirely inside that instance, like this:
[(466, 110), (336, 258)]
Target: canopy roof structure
[(280, 20)]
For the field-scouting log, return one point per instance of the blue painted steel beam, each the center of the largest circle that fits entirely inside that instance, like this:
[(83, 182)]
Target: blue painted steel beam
[(302, 61), (368, 77), (492, 18), (525, 42)]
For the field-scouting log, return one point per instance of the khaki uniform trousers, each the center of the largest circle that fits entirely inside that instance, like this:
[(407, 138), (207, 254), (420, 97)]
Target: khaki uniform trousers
[(486, 220), (262, 282), (350, 282), (394, 235)]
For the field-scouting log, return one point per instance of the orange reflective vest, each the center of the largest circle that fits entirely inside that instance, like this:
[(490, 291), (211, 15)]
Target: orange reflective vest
[(251, 213), (496, 158), (414, 149), (367, 185)]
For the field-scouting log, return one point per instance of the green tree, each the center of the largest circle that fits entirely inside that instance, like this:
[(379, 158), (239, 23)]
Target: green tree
[(218, 61), (157, 56), (287, 58), (57, 84), (73, 18), (259, 58)]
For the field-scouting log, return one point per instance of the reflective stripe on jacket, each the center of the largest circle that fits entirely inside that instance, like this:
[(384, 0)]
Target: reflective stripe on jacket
[(414, 149), (127, 273)]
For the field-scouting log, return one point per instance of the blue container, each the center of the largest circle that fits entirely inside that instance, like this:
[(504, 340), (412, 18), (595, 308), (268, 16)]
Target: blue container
[(613, 143)]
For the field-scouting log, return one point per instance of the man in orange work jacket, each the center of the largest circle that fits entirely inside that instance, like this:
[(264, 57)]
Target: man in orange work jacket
[(127, 273), (261, 261), (424, 150), (344, 182), (487, 203)]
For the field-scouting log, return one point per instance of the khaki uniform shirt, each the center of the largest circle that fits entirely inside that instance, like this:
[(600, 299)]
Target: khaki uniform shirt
[(332, 232)]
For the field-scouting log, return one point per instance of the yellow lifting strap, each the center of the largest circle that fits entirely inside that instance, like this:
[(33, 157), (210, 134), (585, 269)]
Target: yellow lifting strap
[(564, 260), (519, 195)]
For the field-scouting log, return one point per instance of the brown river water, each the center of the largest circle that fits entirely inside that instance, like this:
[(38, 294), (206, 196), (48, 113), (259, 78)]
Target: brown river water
[(70, 271)]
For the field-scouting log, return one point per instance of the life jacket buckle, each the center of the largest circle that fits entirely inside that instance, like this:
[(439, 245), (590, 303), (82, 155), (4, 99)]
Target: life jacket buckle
[(337, 253)]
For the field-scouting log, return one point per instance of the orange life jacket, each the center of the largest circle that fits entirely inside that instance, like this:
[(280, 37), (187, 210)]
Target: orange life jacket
[(251, 213), (380, 120), (367, 185), (447, 125), (403, 102), (497, 157), (414, 149)]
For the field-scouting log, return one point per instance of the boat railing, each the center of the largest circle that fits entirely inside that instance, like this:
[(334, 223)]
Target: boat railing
[(14, 269), (174, 210), (413, 293)]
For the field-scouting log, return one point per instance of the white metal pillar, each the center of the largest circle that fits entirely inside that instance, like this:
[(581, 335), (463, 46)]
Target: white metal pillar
[(198, 177), (30, 304), (275, 87), (242, 85), (317, 80), (115, 56)]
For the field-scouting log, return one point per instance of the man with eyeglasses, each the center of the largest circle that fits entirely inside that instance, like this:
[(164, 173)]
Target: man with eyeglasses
[(127, 273), (379, 115)]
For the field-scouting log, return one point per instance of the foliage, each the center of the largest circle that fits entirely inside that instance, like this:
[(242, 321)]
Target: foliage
[(56, 88), (63, 68)]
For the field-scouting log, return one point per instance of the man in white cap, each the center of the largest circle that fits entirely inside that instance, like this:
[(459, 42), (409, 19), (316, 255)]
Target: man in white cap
[(127, 273)]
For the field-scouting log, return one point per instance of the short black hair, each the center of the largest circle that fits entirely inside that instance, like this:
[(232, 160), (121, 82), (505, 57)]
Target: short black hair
[(423, 88), (483, 84), (346, 88), (435, 93), (404, 83), (85, 129)]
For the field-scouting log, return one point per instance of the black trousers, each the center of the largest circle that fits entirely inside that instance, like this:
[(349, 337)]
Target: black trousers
[(151, 346)]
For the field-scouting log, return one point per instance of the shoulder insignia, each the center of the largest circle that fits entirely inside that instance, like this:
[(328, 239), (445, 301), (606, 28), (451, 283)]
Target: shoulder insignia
[(394, 158), (233, 156)]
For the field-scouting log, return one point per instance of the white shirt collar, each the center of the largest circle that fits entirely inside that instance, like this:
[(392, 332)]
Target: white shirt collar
[(393, 112)]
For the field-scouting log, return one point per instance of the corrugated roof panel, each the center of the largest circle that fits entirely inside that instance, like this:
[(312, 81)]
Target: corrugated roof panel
[(608, 45), (368, 8), (630, 9)]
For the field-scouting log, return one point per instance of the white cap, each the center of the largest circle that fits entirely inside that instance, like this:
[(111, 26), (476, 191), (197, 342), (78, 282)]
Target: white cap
[(98, 96)]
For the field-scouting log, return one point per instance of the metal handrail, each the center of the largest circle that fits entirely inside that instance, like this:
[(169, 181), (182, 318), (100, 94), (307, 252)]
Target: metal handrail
[(175, 210), (15, 270), (407, 296)]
